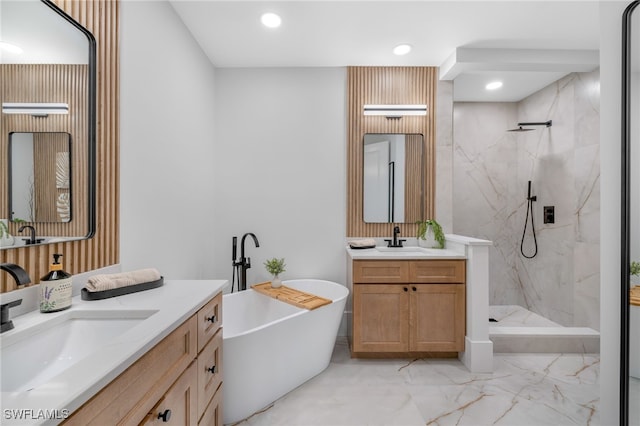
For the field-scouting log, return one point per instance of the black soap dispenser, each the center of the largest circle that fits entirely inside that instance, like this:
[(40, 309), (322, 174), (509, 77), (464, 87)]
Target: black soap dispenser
[(55, 288)]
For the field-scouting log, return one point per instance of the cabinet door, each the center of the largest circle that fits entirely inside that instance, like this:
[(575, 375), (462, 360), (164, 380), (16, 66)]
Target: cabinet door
[(209, 371), (213, 414), (179, 404), (437, 317), (380, 318), (209, 320)]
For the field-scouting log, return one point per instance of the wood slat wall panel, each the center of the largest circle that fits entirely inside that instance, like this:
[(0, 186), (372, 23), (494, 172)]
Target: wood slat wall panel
[(413, 179), (48, 83), (388, 85), (101, 18)]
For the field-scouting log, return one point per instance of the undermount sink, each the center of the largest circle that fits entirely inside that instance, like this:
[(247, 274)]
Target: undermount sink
[(403, 250), (35, 354)]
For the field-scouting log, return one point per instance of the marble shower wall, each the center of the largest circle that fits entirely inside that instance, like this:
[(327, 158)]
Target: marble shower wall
[(491, 168)]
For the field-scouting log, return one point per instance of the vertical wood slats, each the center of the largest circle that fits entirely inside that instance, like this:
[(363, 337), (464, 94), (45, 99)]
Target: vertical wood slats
[(101, 18), (413, 197), (48, 83), (388, 85)]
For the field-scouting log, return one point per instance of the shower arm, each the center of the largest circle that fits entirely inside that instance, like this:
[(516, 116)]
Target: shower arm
[(538, 123)]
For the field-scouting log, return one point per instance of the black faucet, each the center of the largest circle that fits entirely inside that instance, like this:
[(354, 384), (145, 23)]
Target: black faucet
[(5, 323), (22, 278), (395, 242), (245, 262), (18, 274), (32, 239)]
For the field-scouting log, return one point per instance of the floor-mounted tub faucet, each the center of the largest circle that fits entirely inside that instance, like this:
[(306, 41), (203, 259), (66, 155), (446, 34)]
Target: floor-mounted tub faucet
[(243, 263)]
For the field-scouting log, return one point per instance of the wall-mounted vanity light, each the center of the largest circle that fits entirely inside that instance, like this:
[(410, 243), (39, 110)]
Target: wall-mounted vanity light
[(395, 111), (35, 109)]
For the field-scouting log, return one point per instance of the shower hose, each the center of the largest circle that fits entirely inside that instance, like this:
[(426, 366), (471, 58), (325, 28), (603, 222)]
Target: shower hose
[(530, 201)]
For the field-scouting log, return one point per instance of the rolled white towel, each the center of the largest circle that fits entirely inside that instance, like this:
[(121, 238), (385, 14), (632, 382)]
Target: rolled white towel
[(110, 281), (365, 242)]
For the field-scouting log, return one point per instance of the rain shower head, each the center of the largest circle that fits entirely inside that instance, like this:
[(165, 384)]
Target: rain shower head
[(522, 129)]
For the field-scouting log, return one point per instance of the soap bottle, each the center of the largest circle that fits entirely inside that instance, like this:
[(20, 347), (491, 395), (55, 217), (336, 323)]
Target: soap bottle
[(55, 288)]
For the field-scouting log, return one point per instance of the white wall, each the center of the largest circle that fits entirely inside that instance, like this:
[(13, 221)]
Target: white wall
[(279, 170), (166, 145)]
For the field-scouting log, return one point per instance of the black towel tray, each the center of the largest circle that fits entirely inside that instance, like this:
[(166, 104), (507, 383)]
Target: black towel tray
[(361, 247), (120, 291)]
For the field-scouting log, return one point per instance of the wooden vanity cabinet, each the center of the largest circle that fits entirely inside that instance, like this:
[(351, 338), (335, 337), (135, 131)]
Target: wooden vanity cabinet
[(179, 381), (408, 307)]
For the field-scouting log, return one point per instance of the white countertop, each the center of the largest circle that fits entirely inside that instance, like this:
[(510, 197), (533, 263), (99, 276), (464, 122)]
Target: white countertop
[(405, 253), (175, 302)]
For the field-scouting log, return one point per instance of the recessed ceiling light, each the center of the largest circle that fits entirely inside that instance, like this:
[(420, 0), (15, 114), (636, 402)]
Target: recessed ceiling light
[(271, 20), (493, 85), (11, 48), (402, 49)]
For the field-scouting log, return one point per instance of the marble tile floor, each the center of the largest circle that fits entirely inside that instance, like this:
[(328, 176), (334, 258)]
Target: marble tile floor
[(524, 389)]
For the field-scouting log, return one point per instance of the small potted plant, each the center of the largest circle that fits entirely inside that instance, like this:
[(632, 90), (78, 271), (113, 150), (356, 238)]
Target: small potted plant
[(634, 270), (430, 234), (6, 239), (275, 267)]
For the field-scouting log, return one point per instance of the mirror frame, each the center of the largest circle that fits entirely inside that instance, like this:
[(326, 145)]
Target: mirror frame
[(91, 121), (625, 236), (421, 202)]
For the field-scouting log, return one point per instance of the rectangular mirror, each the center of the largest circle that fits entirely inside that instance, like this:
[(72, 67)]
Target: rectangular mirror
[(392, 178), (47, 158), (40, 177)]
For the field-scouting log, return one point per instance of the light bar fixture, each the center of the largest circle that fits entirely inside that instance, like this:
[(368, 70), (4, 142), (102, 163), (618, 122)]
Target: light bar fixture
[(35, 109), (395, 110)]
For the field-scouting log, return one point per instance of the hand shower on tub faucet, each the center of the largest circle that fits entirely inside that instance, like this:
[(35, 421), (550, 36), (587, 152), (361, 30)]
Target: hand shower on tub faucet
[(243, 263)]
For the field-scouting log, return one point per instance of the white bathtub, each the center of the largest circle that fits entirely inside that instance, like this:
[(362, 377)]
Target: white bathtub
[(271, 347)]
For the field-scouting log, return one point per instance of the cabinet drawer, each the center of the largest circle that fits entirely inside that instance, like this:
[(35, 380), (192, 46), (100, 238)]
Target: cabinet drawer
[(380, 271), (209, 320), (213, 414), (179, 405), (209, 371), (131, 395), (437, 271)]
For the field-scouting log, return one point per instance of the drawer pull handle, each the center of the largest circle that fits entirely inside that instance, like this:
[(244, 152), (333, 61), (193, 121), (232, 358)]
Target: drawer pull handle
[(165, 416), (405, 289), (211, 319), (212, 370), (414, 289)]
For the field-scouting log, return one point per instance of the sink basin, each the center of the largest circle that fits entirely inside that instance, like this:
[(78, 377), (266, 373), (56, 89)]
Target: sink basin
[(403, 250), (35, 354)]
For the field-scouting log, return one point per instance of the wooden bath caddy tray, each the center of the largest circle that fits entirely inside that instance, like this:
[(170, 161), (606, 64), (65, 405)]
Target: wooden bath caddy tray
[(289, 295), (634, 296)]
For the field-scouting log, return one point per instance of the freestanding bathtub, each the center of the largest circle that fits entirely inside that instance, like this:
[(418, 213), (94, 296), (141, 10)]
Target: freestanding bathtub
[(271, 347)]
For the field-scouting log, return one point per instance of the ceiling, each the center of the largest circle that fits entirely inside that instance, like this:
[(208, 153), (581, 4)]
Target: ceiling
[(332, 33)]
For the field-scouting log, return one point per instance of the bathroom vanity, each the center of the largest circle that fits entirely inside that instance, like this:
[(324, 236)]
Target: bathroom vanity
[(408, 307), (178, 382), (148, 357), (418, 302)]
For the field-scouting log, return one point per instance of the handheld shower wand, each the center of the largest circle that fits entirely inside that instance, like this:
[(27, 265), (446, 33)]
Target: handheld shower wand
[(530, 200)]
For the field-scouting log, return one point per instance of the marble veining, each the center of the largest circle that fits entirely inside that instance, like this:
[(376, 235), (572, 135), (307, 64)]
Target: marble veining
[(491, 168), (524, 389)]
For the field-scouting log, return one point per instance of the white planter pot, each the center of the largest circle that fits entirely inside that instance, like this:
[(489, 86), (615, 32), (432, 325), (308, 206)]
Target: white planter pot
[(276, 282), (429, 241)]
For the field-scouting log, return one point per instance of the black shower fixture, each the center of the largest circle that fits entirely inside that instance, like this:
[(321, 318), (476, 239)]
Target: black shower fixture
[(522, 129)]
